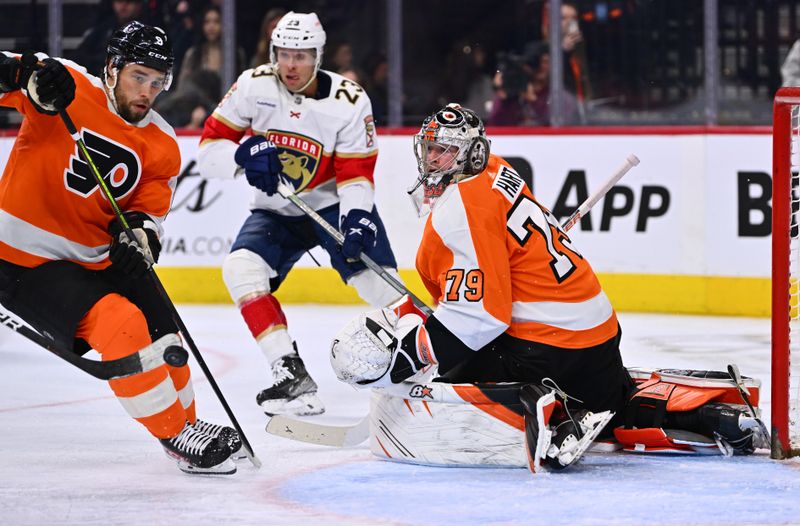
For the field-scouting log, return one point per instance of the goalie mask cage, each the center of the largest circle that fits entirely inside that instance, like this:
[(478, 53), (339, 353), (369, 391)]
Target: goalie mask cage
[(785, 274)]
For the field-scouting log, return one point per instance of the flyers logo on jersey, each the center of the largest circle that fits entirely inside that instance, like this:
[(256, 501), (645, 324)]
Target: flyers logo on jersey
[(300, 156), (118, 165)]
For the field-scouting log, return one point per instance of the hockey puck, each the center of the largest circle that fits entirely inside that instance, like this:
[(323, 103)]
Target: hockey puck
[(175, 356)]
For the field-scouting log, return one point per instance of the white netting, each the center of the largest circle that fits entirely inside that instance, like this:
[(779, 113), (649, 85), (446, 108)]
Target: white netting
[(794, 269)]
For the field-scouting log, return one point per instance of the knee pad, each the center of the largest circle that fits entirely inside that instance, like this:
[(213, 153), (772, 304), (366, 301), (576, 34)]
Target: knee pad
[(114, 327), (246, 274), (373, 289)]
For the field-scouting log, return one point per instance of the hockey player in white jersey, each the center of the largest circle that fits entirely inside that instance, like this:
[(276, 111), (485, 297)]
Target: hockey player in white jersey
[(314, 130)]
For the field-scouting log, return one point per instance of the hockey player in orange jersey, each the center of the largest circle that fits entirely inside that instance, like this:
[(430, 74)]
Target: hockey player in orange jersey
[(517, 302), (66, 266)]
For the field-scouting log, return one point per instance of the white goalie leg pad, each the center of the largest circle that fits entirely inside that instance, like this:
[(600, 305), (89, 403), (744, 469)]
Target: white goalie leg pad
[(373, 289), (448, 424), (246, 274)]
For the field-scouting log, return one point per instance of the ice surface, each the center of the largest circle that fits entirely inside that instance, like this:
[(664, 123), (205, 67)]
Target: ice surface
[(70, 454)]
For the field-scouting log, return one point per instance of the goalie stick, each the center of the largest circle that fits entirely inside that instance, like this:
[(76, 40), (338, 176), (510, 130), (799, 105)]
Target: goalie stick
[(320, 434), (736, 376), (349, 435)]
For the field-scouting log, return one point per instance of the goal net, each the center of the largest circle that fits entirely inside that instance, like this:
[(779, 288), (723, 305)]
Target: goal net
[(786, 274)]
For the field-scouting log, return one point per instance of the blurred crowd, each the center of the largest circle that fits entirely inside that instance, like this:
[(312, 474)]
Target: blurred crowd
[(622, 62), (511, 89), (195, 27)]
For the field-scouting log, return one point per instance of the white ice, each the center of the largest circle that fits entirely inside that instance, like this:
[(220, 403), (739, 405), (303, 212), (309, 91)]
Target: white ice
[(70, 455)]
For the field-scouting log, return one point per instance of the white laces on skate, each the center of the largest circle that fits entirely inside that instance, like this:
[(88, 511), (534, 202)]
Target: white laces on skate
[(280, 372), (191, 440), (549, 382), (207, 428)]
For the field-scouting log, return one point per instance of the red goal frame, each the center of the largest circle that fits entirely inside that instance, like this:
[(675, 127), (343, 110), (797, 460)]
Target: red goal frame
[(784, 288)]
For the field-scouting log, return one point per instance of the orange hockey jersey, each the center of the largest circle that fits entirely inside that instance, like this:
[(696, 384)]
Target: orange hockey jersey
[(51, 208), (497, 261)]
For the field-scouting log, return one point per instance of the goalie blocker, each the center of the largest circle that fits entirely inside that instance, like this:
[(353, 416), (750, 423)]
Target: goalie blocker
[(444, 424)]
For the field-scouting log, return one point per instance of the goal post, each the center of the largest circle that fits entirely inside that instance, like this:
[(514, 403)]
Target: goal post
[(785, 416)]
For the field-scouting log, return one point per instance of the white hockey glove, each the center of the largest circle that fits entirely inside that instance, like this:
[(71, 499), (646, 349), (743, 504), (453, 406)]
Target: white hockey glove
[(378, 349)]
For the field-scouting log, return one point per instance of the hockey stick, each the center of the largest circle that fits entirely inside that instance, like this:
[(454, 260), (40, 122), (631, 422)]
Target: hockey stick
[(119, 368), (287, 192), (736, 376), (576, 216), (158, 286), (329, 435), (320, 434)]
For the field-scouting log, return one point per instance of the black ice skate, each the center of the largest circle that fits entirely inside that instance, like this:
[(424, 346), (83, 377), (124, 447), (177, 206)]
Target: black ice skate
[(198, 453), (227, 435), (292, 392), (556, 439)]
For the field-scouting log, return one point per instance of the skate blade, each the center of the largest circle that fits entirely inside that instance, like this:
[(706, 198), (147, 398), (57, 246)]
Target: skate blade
[(599, 422), (307, 404), (239, 456), (224, 468)]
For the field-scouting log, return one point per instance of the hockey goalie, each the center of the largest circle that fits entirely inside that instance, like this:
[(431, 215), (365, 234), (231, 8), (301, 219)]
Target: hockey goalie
[(525, 341)]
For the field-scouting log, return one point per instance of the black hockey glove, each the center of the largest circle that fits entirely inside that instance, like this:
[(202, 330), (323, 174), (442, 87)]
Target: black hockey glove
[(359, 233), (259, 158), (11, 74), (50, 87), (136, 258)]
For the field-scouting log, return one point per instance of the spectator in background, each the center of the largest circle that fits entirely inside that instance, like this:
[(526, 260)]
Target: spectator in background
[(790, 70), (522, 88), (181, 29), (91, 52), (341, 62), (522, 82), (375, 82), (206, 54), (467, 78), (192, 102), (268, 24), (342, 57), (576, 80)]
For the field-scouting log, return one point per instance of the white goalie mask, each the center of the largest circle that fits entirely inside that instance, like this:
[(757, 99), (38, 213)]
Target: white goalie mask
[(450, 146), (298, 31)]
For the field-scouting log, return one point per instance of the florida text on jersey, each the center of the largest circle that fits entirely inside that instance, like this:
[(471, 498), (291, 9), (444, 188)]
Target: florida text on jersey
[(51, 207)]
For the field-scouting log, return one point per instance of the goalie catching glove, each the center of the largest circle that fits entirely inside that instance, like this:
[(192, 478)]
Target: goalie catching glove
[(134, 258), (381, 348)]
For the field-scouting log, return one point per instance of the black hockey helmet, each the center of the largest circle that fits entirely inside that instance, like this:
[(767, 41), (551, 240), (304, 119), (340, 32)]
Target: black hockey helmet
[(138, 43)]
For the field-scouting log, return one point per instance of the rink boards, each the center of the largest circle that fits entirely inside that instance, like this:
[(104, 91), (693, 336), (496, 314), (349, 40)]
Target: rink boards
[(688, 230)]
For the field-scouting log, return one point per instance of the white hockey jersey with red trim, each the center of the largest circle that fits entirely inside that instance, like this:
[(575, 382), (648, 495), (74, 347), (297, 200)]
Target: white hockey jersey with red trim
[(51, 208), (327, 145), (497, 261)]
